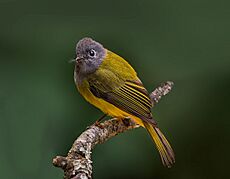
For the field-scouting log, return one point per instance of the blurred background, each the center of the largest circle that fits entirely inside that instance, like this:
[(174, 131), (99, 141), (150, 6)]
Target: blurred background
[(41, 112)]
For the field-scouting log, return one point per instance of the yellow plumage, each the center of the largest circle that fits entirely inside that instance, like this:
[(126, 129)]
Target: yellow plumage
[(116, 90), (110, 63)]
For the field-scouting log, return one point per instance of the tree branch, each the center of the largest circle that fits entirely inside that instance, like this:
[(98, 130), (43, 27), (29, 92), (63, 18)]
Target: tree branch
[(77, 164)]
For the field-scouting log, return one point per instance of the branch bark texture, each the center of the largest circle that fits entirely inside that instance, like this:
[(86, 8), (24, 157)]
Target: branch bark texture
[(78, 164)]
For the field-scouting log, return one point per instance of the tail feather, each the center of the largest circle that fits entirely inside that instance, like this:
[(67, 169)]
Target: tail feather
[(163, 146)]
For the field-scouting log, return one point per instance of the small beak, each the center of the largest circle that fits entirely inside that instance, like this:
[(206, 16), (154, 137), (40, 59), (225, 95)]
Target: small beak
[(72, 60), (75, 60)]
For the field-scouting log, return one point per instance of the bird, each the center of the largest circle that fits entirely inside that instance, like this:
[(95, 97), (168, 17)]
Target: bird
[(109, 82)]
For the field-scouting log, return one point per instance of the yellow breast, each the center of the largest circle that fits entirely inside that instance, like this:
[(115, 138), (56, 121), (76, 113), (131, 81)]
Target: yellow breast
[(103, 105), (106, 107)]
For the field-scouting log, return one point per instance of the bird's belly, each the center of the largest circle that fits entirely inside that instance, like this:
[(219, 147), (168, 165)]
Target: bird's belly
[(105, 106)]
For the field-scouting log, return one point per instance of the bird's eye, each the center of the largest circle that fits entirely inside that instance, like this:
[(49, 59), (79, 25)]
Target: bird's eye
[(92, 53)]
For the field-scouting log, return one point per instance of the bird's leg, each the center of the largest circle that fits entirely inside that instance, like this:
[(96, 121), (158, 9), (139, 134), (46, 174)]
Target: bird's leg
[(97, 122), (126, 121)]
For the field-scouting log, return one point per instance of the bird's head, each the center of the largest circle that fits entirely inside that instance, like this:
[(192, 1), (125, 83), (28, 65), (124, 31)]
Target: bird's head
[(89, 56)]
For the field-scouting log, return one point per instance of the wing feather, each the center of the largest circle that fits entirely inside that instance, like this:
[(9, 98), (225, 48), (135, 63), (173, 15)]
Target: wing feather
[(131, 97)]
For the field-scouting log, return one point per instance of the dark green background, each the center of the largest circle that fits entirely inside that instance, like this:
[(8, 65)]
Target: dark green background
[(41, 113)]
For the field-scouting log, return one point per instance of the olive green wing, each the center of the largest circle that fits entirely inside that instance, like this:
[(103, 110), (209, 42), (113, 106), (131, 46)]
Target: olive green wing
[(129, 96)]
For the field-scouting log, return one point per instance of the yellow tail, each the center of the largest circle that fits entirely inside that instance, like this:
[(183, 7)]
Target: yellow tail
[(163, 146)]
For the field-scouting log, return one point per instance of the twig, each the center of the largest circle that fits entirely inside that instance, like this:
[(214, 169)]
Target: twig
[(78, 164)]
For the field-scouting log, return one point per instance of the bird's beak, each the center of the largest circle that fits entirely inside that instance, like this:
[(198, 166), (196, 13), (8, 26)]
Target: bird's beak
[(72, 60), (76, 60)]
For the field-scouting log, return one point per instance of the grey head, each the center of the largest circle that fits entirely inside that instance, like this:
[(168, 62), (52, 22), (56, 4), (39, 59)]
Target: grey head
[(89, 56)]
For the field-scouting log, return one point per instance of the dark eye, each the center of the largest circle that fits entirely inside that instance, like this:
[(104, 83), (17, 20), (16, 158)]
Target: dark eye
[(92, 53)]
